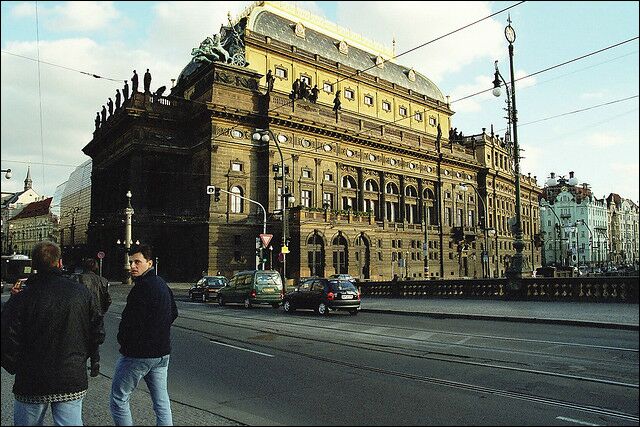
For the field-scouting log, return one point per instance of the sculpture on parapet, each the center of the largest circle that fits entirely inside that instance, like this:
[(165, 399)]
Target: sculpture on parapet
[(227, 46), (270, 81), (337, 105), (97, 120), (210, 50), (125, 90), (118, 98), (313, 97), (134, 83), (160, 91), (103, 114), (147, 82), (110, 105)]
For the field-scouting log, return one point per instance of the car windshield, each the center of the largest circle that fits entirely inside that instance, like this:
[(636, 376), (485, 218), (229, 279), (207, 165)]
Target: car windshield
[(341, 285), (268, 279), (215, 281)]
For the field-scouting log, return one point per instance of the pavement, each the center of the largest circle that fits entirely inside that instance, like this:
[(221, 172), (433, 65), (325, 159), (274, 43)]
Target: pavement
[(604, 315)]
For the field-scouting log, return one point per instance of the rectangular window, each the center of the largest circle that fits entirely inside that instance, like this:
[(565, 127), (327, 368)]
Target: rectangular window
[(386, 106), (281, 72), (236, 167), (418, 116), (328, 177), (327, 87), (432, 121), (470, 219), (403, 111), (306, 80), (447, 216), (305, 198), (279, 198), (327, 200), (459, 218), (348, 94), (306, 173), (368, 100)]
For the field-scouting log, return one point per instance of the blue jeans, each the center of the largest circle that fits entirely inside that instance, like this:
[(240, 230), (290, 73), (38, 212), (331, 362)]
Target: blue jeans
[(32, 414), (129, 372)]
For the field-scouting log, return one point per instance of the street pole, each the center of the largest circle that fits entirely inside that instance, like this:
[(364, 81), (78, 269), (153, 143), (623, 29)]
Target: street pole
[(127, 240), (425, 248)]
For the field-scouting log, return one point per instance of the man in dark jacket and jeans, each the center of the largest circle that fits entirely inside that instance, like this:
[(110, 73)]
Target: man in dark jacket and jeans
[(49, 330), (144, 340)]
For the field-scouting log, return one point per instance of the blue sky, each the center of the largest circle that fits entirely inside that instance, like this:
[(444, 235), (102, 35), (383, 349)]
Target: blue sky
[(112, 38)]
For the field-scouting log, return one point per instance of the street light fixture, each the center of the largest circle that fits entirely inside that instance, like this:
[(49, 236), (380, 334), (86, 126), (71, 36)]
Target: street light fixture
[(266, 135), (128, 211), (7, 174), (516, 267)]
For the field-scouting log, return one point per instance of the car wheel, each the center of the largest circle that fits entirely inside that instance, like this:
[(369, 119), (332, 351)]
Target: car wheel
[(322, 309), (353, 312), (288, 307), (204, 297), (247, 303), (220, 300)]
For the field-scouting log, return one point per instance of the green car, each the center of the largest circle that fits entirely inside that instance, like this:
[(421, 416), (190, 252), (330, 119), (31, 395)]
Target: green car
[(253, 287)]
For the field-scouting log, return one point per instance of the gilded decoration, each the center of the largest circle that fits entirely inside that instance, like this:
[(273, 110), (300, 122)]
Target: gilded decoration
[(300, 30)]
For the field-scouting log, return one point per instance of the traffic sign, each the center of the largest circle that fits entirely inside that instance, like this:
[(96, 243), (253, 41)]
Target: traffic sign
[(101, 255), (266, 239), (285, 250)]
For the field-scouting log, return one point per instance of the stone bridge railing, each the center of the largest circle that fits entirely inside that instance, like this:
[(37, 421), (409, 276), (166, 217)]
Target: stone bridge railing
[(622, 289)]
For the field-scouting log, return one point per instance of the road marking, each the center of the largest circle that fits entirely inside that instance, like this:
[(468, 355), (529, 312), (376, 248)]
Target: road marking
[(571, 420), (243, 349)]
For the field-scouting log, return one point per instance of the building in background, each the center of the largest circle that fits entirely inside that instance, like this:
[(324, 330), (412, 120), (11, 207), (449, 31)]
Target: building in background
[(75, 210), (575, 223), (34, 223), (623, 229), (12, 205), (369, 158)]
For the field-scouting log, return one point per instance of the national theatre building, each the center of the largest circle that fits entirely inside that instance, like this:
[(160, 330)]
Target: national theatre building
[(376, 184)]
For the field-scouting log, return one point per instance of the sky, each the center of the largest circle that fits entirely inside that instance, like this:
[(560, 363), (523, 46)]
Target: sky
[(580, 117)]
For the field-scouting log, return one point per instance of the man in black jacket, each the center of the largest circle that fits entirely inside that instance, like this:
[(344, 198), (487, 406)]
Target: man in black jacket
[(144, 340), (97, 284), (49, 330)]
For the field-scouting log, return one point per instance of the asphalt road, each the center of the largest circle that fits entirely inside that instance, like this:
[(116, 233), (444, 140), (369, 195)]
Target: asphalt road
[(265, 367)]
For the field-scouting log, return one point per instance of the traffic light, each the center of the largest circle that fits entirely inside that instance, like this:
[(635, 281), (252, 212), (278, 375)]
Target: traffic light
[(216, 195)]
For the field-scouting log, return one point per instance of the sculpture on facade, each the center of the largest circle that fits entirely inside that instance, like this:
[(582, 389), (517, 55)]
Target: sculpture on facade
[(270, 81), (226, 47), (125, 90), (147, 82), (134, 83), (97, 120), (313, 97), (337, 105), (103, 114), (118, 98), (110, 105)]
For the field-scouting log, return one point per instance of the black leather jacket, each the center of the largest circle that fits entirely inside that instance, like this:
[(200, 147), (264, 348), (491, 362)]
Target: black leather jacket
[(49, 330)]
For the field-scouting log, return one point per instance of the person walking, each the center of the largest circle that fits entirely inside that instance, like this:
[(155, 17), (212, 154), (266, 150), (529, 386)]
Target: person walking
[(144, 338), (48, 332), (97, 284)]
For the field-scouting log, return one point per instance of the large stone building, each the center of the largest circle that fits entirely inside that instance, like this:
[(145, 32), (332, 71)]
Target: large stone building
[(74, 213), (12, 205), (34, 223), (365, 158)]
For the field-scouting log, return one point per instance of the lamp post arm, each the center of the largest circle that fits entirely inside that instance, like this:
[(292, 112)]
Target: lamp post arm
[(264, 211)]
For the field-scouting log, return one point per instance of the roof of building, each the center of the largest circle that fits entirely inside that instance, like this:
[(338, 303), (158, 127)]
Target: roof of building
[(327, 45), (35, 209)]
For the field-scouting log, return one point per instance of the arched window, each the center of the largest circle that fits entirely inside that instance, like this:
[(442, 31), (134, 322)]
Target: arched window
[(428, 194), (237, 204), (371, 185), (340, 255), (410, 191), (392, 188), (348, 182)]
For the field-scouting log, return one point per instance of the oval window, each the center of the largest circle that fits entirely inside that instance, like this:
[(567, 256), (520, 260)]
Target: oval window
[(235, 133), (327, 147), (349, 153), (372, 157), (282, 138), (412, 165), (305, 143), (393, 162)]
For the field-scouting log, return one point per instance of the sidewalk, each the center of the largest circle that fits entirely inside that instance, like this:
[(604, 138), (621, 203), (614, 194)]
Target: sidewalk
[(606, 315)]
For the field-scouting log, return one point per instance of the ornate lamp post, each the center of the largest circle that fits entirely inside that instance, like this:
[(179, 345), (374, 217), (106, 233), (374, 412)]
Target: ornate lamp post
[(516, 266), (265, 135), (128, 212)]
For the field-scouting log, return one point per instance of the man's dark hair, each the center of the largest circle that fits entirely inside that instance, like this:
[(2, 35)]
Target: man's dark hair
[(90, 264), (45, 255), (142, 248)]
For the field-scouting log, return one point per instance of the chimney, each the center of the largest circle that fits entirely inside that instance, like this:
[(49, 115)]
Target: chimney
[(553, 175), (571, 174)]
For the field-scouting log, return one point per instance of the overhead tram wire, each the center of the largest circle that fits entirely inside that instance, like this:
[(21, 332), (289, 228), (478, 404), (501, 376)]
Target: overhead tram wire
[(40, 95)]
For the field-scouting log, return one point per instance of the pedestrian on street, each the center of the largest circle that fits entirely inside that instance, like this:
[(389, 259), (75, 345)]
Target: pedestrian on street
[(49, 330), (145, 343), (97, 284)]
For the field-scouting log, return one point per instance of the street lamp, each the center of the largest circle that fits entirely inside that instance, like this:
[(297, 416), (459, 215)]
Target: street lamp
[(7, 174), (128, 211), (516, 267), (266, 135), (485, 253), (556, 227), (582, 221)]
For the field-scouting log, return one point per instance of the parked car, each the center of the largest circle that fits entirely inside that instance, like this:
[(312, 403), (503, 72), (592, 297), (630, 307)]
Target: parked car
[(347, 277), (253, 287), (207, 288), (323, 296)]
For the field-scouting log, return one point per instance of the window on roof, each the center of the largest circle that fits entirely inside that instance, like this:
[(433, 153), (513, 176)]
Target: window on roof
[(386, 106), (403, 111), (368, 100), (348, 94)]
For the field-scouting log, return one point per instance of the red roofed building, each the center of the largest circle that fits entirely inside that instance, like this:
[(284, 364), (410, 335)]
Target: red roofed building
[(33, 224)]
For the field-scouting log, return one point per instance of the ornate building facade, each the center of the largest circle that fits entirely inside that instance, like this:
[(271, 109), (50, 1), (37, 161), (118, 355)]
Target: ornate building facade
[(376, 182), (623, 225)]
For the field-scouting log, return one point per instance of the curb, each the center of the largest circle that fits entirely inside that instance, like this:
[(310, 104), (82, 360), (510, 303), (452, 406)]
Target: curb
[(584, 323)]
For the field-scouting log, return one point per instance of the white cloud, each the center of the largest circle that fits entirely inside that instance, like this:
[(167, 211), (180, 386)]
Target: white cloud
[(82, 16), (603, 139), (22, 10)]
